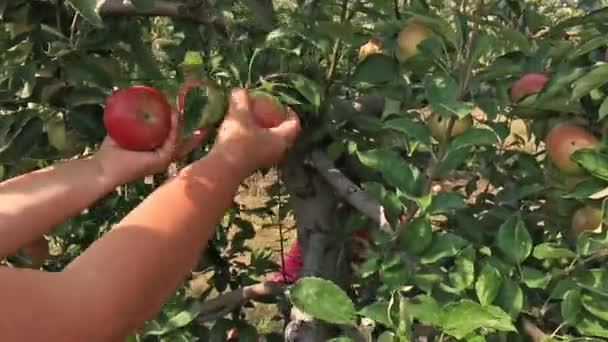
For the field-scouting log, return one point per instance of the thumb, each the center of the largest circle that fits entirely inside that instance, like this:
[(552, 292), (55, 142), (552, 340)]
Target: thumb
[(289, 128), (239, 105)]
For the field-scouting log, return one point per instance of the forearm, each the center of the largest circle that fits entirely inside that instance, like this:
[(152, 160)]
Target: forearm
[(143, 258), (33, 203)]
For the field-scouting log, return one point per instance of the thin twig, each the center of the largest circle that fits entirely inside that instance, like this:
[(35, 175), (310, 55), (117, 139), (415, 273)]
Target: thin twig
[(396, 7), (464, 65), (223, 304), (349, 191), (73, 28), (335, 55)]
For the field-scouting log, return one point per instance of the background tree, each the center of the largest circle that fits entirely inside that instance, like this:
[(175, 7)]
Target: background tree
[(466, 137)]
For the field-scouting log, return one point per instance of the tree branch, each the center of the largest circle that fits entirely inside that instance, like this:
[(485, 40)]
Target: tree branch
[(224, 304), (349, 191), (163, 9)]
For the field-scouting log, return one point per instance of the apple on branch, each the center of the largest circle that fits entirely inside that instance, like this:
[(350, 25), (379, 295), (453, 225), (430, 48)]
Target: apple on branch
[(530, 83), (563, 140), (408, 39)]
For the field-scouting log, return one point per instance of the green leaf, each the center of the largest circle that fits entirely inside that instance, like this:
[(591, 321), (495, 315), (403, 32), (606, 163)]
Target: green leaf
[(595, 78), (592, 326), (462, 274), (517, 38), (183, 318), (442, 93), (143, 55), (19, 134), (535, 279), (87, 8), (594, 280), (571, 306), (592, 161), (585, 189), (561, 288), (195, 101), (445, 202), (510, 298), (416, 130), (588, 46), (417, 236), (514, 240), (425, 309), (475, 136), (394, 169), (559, 82), (376, 69), (488, 284), (550, 250), (377, 311), (588, 244), (465, 316), (444, 245), (453, 159), (323, 300), (596, 305), (603, 110), (309, 89)]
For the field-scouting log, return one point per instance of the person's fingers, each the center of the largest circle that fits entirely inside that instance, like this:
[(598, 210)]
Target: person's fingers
[(191, 143), (168, 148), (289, 128), (239, 105)]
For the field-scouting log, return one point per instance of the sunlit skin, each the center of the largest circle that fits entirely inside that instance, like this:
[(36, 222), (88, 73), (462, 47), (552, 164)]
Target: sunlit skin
[(122, 278)]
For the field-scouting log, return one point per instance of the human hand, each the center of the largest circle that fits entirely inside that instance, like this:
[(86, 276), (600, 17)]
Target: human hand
[(248, 145), (119, 165)]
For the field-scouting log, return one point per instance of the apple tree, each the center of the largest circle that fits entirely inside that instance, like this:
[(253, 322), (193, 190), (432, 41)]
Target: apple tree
[(466, 139)]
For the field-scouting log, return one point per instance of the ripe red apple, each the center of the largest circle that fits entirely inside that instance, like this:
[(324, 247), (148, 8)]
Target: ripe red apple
[(529, 83), (267, 111), (373, 46), (587, 218), (138, 117), (216, 105), (563, 140), (408, 39), (439, 126)]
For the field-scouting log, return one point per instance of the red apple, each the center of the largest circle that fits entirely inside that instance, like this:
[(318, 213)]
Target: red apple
[(408, 39), (138, 117), (267, 110), (528, 84), (563, 140), (373, 46)]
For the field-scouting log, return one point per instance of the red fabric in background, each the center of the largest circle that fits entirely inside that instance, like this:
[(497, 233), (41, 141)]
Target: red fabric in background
[(293, 260)]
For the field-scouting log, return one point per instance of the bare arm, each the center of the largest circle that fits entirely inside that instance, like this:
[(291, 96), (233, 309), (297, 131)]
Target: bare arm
[(123, 277), (33, 203)]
